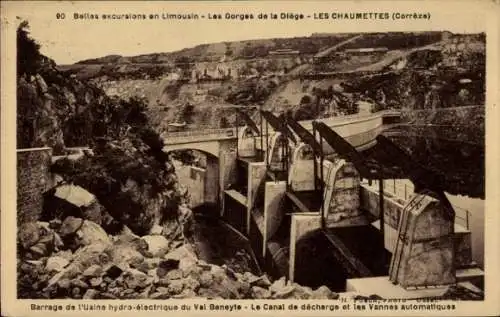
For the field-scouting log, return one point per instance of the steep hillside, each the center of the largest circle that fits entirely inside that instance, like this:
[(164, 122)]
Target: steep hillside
[(58, 111), (194, 85)]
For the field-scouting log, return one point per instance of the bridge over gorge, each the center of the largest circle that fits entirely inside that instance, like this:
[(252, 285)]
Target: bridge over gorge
[(222, 146)]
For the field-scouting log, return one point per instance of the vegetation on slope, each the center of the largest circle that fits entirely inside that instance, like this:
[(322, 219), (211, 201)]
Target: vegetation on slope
[(129, 173)]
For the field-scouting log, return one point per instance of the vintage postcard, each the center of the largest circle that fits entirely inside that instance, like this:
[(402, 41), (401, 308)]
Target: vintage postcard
[(250, 158)]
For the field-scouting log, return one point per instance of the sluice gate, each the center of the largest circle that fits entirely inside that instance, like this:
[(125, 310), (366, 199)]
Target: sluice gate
[(301, 198)]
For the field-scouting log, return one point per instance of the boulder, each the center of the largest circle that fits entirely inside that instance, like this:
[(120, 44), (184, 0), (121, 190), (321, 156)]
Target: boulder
[(76, 293), (92, 233), (93, 271), (192, 270), (324, 292), (28, 234), (244, 289), (204, 265), (173, 274), (175, 287), (70, 226), (152, 262), (152, 272), (54, 279), (302, 292), (64, 284), (262, 281), (206, 279), (107, 295), (158, 295), (113, 271), (95, 281), (184, 255), (79, 283), (284, 293), (127, 237), (186, 293), (136, 279), (260, 292), (173, 230), (156, 230), (229, 272), (37, 240), (91, 294), (226, 289), (190, 283), (161, 293), (82, 259), (123, 253), (146, 292), (163, 282), (56, 264), (218, 273), (278, 285), (66, 254), (89, 255), (158, 245), (141, 266)]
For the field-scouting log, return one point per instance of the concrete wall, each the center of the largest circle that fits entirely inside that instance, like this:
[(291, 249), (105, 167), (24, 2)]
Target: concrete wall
[(33, 179), (342, 193), (211, 188), (301, 175), (193, 179), (256, 175), (227, 174), (392, 214), (247, 142), (273, 212), (426, 253), (196, 185), (301, 224), (369, 201)]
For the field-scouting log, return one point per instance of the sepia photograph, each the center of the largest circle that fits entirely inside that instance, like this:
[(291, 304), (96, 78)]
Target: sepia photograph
[(311, 164)]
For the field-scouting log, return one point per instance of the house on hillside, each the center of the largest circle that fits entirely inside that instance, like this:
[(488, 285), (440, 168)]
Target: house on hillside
[(284, 52), (219, 71), (365, 51), (328, 54), (332, 54)]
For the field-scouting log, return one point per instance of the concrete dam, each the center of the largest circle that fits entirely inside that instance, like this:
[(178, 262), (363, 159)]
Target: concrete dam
[(312, 200)]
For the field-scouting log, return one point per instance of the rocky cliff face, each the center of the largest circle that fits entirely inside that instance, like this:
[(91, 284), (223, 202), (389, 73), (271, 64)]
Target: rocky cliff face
[(125, 169), (418, 71)]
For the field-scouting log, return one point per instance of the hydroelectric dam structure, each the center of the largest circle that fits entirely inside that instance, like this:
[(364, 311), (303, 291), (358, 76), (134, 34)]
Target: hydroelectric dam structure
[(311, 199)]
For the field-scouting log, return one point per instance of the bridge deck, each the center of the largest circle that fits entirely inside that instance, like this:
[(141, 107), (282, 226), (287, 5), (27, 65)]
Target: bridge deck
[(201, 135)]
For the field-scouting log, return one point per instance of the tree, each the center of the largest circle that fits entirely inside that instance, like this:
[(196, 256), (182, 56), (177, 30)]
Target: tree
[(28, 52)]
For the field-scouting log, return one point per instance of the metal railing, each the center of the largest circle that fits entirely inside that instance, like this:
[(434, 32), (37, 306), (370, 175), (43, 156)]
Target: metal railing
[(404, 191), (232, 132), (200, 132)]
